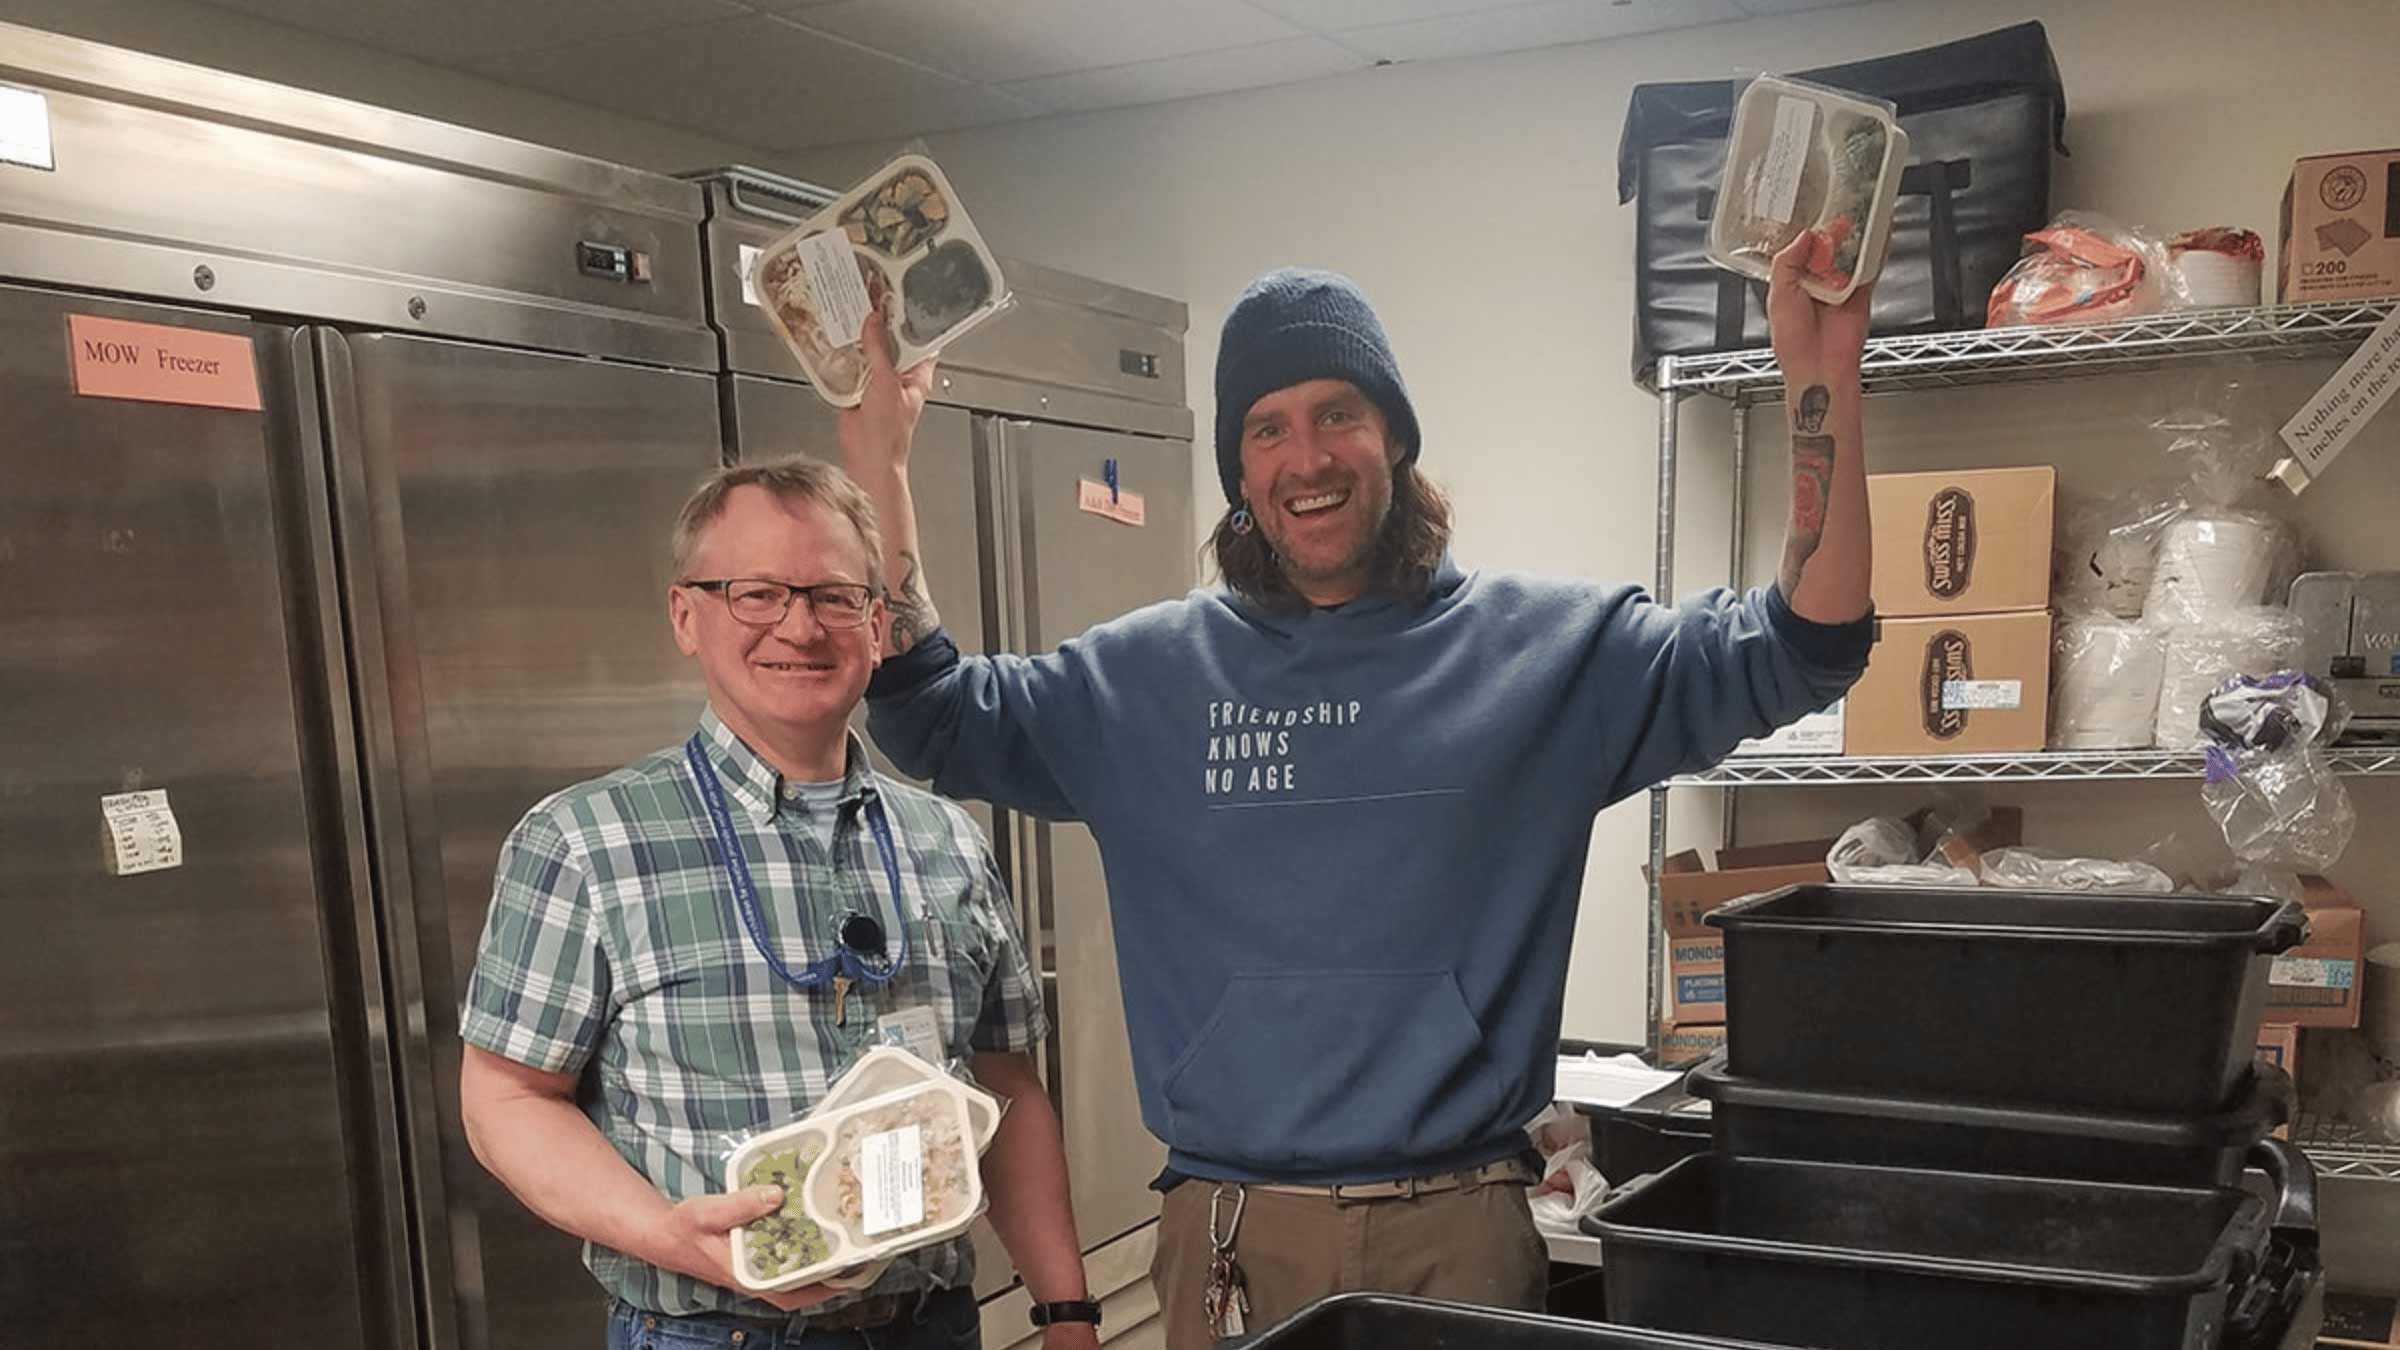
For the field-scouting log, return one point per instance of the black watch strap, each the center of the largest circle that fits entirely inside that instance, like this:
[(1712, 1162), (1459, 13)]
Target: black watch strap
[(1083, 1310)]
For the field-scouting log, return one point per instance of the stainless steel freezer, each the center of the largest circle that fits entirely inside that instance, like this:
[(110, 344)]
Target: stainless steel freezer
[(354, 631), (1078, 376), (353, 635)]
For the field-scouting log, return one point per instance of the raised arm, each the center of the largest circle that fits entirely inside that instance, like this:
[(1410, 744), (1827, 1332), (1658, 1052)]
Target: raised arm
[(875, 437), (1826, 549)]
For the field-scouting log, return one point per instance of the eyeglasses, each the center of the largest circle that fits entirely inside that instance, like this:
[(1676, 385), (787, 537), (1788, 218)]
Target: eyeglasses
[(763, 603)]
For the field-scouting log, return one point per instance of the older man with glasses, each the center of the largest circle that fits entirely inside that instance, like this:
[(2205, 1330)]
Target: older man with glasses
[(715, 932)]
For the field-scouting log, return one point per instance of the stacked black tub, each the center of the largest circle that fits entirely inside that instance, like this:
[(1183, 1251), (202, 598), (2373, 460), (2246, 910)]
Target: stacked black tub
[(1981, 1119)]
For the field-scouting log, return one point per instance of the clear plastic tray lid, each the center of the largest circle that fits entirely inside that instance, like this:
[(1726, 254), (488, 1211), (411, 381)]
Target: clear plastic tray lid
[(901, 233), (1803, 157), (886, 1164)]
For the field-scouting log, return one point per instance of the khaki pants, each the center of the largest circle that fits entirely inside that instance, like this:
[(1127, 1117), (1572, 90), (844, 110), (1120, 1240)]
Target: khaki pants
[(1468, 1246)]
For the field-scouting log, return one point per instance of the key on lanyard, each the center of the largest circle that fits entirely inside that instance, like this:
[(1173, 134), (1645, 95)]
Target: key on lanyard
[(1226, 1303)]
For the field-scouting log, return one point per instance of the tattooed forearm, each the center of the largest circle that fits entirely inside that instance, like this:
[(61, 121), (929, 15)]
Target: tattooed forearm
[(913, 615), (1812, 484)]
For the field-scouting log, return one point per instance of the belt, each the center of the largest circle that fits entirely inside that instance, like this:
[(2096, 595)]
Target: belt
[(879, 1310), (1508, 1171)]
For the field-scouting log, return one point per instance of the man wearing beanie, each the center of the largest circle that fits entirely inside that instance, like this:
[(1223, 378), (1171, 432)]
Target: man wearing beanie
[(1344, 801)]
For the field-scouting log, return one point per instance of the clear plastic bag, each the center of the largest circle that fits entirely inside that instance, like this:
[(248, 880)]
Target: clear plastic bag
[(2039, 870), (2201, 656), (2085, 268), (2104, 681), (1884, 851), (890, 1113), (2106, 548), (2269, 785)]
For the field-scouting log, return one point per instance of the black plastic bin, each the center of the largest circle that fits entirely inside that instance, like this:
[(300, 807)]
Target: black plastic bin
[(1389, 1322), (1649, 1134), (2124, 1003), (1873, 1258), (1752, 1119)]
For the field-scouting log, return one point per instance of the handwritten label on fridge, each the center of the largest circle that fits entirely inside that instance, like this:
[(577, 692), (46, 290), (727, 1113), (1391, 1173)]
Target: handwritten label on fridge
[(139, 833), (891, 1177), (155, 363), (2326, 424), (1123, 507), (748, 253)]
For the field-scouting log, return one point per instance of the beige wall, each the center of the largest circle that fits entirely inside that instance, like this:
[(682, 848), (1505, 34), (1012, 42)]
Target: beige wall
[(225, 39), (1515, 339)]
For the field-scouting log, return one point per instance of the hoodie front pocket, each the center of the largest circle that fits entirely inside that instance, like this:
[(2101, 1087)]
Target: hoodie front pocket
[(1328, 1070)]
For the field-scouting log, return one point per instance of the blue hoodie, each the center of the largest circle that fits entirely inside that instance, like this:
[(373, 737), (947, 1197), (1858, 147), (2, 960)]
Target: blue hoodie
[(1344, 846)]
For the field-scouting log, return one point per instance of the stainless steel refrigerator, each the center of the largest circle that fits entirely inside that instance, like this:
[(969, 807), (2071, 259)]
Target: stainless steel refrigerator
[(1081, 382), (340, 449)]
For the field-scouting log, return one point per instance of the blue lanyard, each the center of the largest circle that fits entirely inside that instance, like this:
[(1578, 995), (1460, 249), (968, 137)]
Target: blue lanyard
[(843, 962)]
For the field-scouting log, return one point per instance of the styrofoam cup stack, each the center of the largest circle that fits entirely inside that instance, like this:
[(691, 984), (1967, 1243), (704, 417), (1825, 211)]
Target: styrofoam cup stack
[(2104, 688)]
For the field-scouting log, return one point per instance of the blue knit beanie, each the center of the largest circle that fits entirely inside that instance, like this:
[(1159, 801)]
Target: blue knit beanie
[(1293, 326)]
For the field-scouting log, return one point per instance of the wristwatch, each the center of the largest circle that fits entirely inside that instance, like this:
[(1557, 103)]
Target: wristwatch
[(1083, 1310)]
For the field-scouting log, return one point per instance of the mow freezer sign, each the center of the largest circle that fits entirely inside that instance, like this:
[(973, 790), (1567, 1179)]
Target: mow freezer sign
[(159, 363)]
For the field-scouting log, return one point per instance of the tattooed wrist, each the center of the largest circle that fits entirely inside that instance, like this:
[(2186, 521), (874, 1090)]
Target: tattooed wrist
[(1808, 411), (911, 604)]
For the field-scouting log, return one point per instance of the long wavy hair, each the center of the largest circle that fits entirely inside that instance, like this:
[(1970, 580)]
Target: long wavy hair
[(1406, 554)]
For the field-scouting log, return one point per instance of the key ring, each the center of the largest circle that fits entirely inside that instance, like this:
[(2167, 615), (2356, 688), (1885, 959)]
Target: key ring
[(1221, 1236)]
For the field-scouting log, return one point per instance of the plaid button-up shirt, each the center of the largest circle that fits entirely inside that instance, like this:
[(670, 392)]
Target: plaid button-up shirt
[(614, 941)]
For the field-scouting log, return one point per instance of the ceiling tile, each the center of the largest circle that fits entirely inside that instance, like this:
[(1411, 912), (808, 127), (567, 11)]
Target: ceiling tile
[(1326, 16), (759, 81), (1285, 62), (998, 41), (452, 30), (1550, 23)]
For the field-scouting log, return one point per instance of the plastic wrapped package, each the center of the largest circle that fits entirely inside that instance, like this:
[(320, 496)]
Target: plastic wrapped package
[(886, 1163), (2269, 785), (2104, 683), (1804, 157), (2213, 563), (2218, 434), (1883, 851), (2221, 267), (2085, 269), (905, 234), (2107, 548), (2200, 656), (2037, 870)]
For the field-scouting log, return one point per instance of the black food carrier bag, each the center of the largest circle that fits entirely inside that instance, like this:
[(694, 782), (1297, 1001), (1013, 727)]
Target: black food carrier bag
[(1982, 117)]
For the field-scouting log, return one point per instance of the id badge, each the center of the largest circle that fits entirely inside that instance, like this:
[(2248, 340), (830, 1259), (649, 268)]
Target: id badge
[(915, 1030)]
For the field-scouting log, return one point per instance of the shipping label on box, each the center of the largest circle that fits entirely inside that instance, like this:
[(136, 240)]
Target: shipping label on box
[(1696, 980), (2341, 228), (1975, 541), (2317, 984), (1817, 733), (1962, 684)]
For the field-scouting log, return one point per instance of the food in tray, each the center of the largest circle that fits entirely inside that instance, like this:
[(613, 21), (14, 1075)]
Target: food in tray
[(1835, 197), (899, 217), (787, 1239), (943, 288), (949, 1164), (783, 283)]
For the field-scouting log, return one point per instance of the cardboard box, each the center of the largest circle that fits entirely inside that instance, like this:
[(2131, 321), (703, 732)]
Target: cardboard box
[(1681, 1045), (1696, 980), (1818, 733), (2367, 1321), (2317, 984), (2279, 1045), (2341, 228), (1962, 684), (1975, 541), (1688, 889)]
